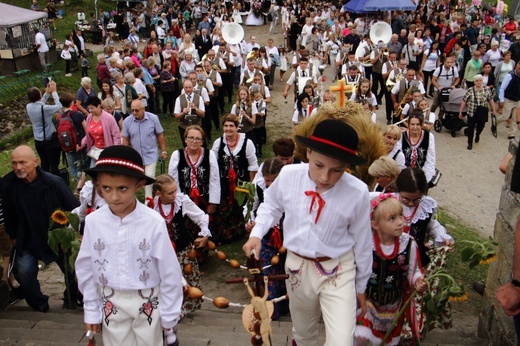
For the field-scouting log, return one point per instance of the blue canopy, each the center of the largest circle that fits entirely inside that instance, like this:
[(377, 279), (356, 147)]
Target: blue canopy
[(356, 6), (378, 5)]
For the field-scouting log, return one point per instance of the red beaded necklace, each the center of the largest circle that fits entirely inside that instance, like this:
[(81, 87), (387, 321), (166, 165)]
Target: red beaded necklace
[(168, 217), (235, 143), (377, 243)]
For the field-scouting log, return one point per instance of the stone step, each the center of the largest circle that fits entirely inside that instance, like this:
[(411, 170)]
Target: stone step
[(25, 313)]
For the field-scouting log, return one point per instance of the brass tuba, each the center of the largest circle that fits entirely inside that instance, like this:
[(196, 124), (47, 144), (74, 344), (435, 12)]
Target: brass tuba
[(232, 33)]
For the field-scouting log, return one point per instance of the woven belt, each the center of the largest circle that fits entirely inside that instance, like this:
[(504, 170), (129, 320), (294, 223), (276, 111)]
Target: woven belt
[(317, 259)]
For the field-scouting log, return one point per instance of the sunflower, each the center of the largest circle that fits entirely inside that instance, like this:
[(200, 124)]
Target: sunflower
[(60, 217), (456, 293), (489, 259), (241, 189)]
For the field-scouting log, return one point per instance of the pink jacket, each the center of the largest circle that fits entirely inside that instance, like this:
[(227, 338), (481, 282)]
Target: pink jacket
[(111, 133)]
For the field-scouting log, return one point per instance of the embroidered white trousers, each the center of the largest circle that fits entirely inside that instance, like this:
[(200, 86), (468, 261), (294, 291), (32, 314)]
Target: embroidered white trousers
[(325, 288), (131, 318)]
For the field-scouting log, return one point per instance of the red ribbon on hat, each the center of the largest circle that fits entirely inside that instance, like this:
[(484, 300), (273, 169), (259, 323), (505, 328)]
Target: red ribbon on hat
[(316, 198), (336, 145)]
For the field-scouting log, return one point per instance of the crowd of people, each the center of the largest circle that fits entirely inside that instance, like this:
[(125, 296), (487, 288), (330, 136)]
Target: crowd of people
[(335, 266)]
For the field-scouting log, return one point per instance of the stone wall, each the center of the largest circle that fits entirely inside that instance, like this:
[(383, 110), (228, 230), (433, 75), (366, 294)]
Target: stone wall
[(494, 324)]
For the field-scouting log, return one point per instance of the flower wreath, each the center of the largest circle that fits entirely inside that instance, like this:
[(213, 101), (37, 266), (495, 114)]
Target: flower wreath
[(376, 200)]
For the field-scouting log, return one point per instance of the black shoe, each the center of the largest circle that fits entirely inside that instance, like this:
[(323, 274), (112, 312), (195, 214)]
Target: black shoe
[(69, 306), (13, 298), (479, 287), (477, 138), (388, 122), (470, 146), (510, 137), (42, 308)]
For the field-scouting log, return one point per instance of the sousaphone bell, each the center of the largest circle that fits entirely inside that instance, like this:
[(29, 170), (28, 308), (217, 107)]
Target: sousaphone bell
[(232, 33)]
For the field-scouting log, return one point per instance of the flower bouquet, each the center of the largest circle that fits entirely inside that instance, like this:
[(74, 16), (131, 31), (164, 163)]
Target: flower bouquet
[(257, 9)]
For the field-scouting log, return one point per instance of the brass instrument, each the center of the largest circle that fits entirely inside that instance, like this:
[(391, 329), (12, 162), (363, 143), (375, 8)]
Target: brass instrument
[(386, 51), (390, 83), (366, 58), (404, 100), (232, 33)]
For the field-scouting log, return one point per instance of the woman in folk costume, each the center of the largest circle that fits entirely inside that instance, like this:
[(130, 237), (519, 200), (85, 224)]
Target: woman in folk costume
[(195, 168), (237, 160)]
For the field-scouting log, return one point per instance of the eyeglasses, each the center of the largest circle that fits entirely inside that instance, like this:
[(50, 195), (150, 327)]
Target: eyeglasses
[(194, 139), (136, 110), (415, 201)]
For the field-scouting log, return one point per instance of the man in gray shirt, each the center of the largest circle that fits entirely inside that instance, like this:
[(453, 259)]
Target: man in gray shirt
[(48, 146), (143, 132)]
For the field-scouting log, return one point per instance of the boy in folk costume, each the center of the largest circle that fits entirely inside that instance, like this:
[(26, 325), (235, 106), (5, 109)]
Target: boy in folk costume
[(127, 268), (329, 257)]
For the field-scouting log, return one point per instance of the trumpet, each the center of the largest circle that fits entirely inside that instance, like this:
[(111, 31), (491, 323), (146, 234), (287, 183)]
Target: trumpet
[(386, 51)]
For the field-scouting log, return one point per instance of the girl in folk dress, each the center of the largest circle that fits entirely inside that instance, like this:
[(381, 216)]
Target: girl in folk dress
[(273, 240), (395, 271), (175, 207)]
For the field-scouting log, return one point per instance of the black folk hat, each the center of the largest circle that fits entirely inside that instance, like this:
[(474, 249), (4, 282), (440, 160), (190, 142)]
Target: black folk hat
[(336, 139), (120, 159)]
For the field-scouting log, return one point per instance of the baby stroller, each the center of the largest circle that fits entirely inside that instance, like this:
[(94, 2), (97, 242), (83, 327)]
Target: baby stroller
[(450, 106)]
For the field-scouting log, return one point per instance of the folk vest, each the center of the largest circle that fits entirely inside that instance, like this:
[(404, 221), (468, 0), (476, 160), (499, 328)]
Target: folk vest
[(191, 120), (203, 174)]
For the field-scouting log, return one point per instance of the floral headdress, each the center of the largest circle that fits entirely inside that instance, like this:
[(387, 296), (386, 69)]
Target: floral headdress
[(376, 200)]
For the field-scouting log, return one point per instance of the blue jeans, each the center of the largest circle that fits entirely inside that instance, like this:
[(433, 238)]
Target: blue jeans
[(75, 164), (26, 273)]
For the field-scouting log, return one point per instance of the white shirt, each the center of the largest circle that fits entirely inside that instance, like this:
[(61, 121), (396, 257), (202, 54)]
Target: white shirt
[(178, 108), (418, 85), (399, 156), (203, 92), (371, 100), (141, 89), (250, 151), (40, 40), (298, 73), (306, 112), (344, 223), (189, 208), (132, 253), (445, 78), (429, 164), (214, 178)]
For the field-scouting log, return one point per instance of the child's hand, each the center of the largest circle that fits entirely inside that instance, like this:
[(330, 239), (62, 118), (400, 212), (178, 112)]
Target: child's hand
[(249, 226), (421, 285), (185, 288), (362, 304), (450, 243), (201, 242)]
